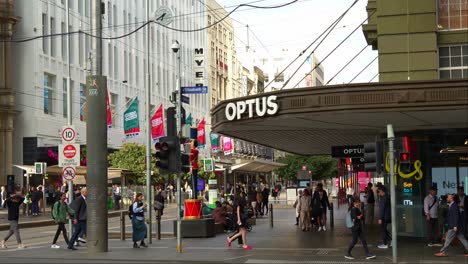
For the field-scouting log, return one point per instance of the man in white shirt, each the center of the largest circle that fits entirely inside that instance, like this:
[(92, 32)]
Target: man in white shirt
[(431, 206)]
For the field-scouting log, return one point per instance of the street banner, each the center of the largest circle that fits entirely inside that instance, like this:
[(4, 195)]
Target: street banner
[(157, 124), (227, 145), (131, 120), (109, 114), (201, 133), (214, 142), (188, 120)]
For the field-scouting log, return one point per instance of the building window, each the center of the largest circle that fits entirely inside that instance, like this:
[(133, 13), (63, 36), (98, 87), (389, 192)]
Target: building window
[(64, 98), (453, 14), (83, 106), (110, 60), (64, 42), (116, 63), (125, 66), (453, 62), (49, 81), (45, 45), (71, 50), (53, 53), (113, 107), (80, 49)]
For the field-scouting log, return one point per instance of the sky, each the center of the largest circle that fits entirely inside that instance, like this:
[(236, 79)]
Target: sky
[(294, 27)]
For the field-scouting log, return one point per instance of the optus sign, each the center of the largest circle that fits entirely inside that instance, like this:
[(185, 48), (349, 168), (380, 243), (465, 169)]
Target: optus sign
[(262, 106)]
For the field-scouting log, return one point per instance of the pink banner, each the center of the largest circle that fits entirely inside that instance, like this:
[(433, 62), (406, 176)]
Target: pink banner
[(109, 114), (201, 133), (227, 145), (157, 123)]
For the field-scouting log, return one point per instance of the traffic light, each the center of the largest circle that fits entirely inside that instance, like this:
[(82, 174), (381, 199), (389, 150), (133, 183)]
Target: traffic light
[(405, 158), (185, 160), (167, 153), (373, 156)]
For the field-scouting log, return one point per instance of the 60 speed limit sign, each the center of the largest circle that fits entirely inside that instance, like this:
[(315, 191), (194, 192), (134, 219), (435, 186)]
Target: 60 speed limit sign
[(68, 134)]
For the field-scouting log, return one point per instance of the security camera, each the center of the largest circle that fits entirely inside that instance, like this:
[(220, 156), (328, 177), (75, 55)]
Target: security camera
[(175, 46)]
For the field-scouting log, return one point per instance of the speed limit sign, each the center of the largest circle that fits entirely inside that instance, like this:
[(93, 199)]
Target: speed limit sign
[(68, 134)]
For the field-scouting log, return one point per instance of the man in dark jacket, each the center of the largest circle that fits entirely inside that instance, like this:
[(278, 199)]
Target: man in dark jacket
[(358, 231), (79, 218), (13, 202), (385, 216), (462, 201), (453, 222)]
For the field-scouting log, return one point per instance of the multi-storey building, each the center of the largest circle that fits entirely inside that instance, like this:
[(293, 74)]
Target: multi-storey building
[(40, 69)]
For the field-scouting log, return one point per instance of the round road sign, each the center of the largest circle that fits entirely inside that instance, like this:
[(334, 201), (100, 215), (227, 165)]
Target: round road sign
[(69, 173), (69, 151), (68, 134)]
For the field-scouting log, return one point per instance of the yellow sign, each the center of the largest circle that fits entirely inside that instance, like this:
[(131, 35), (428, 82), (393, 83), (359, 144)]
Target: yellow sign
[(417, 173)]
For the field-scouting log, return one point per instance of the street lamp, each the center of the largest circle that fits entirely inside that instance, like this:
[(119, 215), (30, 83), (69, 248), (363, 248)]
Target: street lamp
[(175, 48)]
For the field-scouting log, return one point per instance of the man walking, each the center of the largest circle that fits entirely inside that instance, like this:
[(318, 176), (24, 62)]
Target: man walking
[(117, 197), (79, 218), (59, 212), (358, 231), (462, 201), (385, 216), (431, 206), (453, 222), (370, 205), (13, 202)]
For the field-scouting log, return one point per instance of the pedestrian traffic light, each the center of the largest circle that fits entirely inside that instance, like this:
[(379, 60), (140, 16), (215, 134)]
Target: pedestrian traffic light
[(185, 160), (405, 158), (167, 153), (373, 156)]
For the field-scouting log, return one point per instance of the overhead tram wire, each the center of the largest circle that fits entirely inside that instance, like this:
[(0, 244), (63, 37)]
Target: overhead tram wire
[(332, 25), (328, 55), (346, 65), (363, 69)]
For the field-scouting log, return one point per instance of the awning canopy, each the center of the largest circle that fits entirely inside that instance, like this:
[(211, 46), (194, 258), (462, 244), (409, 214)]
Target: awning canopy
[(263, 166)]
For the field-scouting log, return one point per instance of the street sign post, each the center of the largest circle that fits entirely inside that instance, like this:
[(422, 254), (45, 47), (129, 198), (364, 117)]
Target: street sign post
[(69, 155), (69, 173), (194, 89), (68, 134)]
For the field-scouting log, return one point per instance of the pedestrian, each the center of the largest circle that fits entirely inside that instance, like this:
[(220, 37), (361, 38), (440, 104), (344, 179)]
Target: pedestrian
[(170, 191), (369, 214), (431, 207), (453, 222), (252, 199), (13, 203), (159, 202), (297, 206), (304, 209), (79, 219), (265, 196), (385, 216), (35, 196), (130, 194), (241, 222), (320, 203), (462, 200), (350, 194), (117, 196), (358, 231), (3, 197), (59, 212), (259, 199), (138, 222)]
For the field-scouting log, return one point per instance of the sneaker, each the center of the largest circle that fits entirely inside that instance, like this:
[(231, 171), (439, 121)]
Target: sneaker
[(72, 248), (320, 228), (370, 256), (383, 246), (349, 256), (247, 247), (430, 245), (76, 244), (82, 240), (3, 244), (437, 245), (324, 228), (21, 246), (55, 246)]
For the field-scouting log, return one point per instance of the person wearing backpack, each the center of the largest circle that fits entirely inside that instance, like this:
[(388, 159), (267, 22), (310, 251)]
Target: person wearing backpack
[(59, 213), (357, 230)]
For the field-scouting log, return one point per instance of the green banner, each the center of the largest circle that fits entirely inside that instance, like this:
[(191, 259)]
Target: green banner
[(131, 120)]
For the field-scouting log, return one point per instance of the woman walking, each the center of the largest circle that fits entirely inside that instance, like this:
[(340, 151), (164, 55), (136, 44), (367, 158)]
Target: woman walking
[(241, 222), (297, 205), (304, 209), (59, 213), (138, 223)]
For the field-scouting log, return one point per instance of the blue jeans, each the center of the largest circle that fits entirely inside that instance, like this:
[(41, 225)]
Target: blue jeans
[(35, 207), (79, 229)]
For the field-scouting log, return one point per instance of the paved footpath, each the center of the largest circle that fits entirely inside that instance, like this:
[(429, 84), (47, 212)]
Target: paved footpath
[(284, 243)]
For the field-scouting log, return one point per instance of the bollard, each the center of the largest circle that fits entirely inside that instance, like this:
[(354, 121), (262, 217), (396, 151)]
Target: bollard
[(158, 220), (122, 225), (270, 216), (332, 217)]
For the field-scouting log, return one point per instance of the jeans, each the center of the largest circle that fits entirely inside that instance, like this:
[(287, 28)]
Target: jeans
[(451, 234), (264, 205), (386, 237), (14, 229), (358, 233), (61, 229), (432, 230), (79, 229), (35, 207)]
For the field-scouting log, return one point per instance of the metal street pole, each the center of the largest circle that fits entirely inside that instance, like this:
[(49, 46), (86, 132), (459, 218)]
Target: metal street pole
[(148, 128), (69, 104), (96, 142), (179, 132), (391, 150)]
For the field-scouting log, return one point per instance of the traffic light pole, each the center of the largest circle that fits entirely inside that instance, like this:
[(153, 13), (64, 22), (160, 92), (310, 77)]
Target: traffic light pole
[(148, 129), (179, 133), (391, 150)]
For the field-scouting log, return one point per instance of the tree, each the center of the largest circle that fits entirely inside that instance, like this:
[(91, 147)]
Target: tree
[(132, 157), (322, 166)]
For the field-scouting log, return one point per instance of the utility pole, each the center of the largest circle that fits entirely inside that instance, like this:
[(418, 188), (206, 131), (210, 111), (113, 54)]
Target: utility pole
[(96, 140), (148, 127), (391, 150), (69, 104)]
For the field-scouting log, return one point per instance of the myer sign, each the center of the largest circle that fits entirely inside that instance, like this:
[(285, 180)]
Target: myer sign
[(266, 105)]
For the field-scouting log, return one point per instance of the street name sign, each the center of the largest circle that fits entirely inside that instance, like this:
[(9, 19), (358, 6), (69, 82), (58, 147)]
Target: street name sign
[(194, 89)]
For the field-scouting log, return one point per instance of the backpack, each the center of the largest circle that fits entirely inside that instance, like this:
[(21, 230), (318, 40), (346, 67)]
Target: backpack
[(349, 220), (130, 211)]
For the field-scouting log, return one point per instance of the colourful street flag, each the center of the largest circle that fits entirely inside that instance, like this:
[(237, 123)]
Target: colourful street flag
[(188, 120), (131, 120), (157, 124), (227, 145), (109, 115), (201, 133), (214, 142)]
